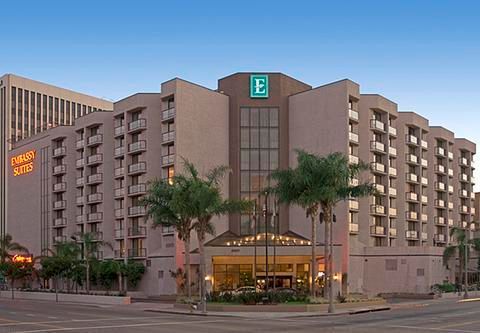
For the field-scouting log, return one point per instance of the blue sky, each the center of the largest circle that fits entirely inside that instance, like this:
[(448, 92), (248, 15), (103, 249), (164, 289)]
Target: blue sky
[(422, 54)]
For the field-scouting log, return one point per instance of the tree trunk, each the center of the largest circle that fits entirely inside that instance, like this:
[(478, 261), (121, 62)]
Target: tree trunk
[(328, 256), (11, 287), (187, 269), (120, 282), (313, 269), (87, 282), (56, 289), (203, 291)]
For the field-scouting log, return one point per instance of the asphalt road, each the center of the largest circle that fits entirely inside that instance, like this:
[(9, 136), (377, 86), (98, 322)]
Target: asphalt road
[(33, 316)]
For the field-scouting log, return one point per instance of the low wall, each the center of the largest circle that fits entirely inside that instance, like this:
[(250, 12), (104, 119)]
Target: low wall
[(283, 307), (473, 293), (72, 298)]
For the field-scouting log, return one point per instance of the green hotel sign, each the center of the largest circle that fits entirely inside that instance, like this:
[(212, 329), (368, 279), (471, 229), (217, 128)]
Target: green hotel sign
[(258, 86)]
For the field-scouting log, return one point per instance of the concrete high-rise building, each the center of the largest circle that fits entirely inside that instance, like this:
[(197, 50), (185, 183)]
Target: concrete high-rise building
[(28, 107), (89, 176)]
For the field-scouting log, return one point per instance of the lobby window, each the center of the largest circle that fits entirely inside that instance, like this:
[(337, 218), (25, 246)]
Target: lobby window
[(57, 116), (50, 112), (20, 114), (39, 112), (32, 112), (259, 154), (14, 113), (25, 114), (62, 112)]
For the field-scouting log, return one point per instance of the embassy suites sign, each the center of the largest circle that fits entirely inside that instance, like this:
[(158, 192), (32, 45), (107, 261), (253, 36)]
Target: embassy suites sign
[(23, 163)]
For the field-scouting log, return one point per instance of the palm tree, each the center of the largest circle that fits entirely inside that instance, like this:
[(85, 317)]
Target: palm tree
[(90, 248), (462, 247), (207, 202), (169, 204), (7, 246), (320, 183)]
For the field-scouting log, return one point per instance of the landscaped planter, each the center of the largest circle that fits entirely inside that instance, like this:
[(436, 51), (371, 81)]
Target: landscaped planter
[(73, 298), (284, 307)]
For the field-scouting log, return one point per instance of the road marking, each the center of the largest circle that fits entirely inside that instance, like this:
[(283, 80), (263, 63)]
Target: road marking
[(30, 315), (433, 329), (468, 300), (52, 317), (121, 326), (460, 324)]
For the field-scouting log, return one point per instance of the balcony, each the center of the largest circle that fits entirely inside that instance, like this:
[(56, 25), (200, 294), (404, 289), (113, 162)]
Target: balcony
[(79, 200), (137, 125), (168, 114), (353, 204), (79, 144), (170, 136), (424, 236), (424, 199), (392, 232), (439, 203), (353, 182), (137, 147), (79, 219), (472, 195), (60, 151), (94, 197), (377, 209), (377, 146), (137, 189), (94, 159), (80, 163), (392, 191), (119, 130), (424, 181), (472, 227), (95, 140), (439, 151), (440, 238), (450, 155), (60, 187), (424, 144), (378, 167), (380, 188), (119, 152), (137, 211), (118, 213), (119, 192), (95, 217), (464, 224), (139, 167), (137, 253), (450, 205), (392, 171), (411, 235), (463, 209), (424, 163), (59, 222), (353, 159), (353, 228), (439, 168), (464, 177), (377, 230), (439, 186), (119, 253), (168, 159), (450, 188), (411, 140), (450, 222), (463, 193), (119, 172), (392, 211), (450, 172), (95, 178), (137, 232), (424, 217), (439, 220), (392, 131), (59, 169), (463, 161), (59, 239), (352, 114), (98, 255), (59, 204), (411, 196), (411, 159), (411, 215), (392, 151), (377, 125), (411, 177), (472, 210), (119, 233)]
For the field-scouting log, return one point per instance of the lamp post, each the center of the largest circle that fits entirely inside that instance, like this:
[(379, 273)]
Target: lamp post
[(265, 214), (465, 295)]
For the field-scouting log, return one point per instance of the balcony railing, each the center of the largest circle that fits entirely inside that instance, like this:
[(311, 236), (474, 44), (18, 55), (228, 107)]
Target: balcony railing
[(450, 222), (168, 114), (392, 131), (411, 139), (378, 167), (137, 253), (439, 203), (424, 162), (353, 204), (440, 238), (392, 151), (119, 192), (450, 188), (60, 151), (424, 181), (411, 196), (411, 177), (450, 172), (137, 146), (353, 159), (411, 215), (410, 158), (450, 155), (424, 217), (137, 189), (377, 209), (60, 222), (118, 213), (59, 204), (377, 125), (94, 197), (94, 159), (424, 144), (353, 114), (137, 125), (93, 217), (80, 163), (79, 144), (392, 232), (60, 187), (463, 161), (137, 231), (439, 186), (136, 210), (137, 168), (377, 146), (119, 151), (392, 171), (392, 191), (424, 236), (353, 228), (95, 139), (119, 171), (392, 211), (79, 200), (79, 219), (440, 220), (440, 151), (377, 230), (411, 234), (168, 159), (119, 130), (170, 136), (59, 239), (59, 169), (119, 233), (439, 168), (424, 199), (380, 188), (95, 178)]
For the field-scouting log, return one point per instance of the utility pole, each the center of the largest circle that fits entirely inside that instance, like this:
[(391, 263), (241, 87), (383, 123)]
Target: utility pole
[(465, 295)]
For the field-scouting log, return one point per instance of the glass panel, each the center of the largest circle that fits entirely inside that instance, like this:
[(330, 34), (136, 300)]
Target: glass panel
[(254, 117), (244, 159), (274, 117), (244, 119), (244, 138), (254, 160), (263, 117), (264, 138), (273, 138), (244, 181), (273, 159), (264, 163), (254, 138)]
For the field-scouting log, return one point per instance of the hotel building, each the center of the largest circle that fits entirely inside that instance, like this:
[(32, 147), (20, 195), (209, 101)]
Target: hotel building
[(90, 175), (28, 107)]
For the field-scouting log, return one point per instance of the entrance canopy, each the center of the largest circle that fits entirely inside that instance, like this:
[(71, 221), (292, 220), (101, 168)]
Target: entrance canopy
[(228, 239)]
